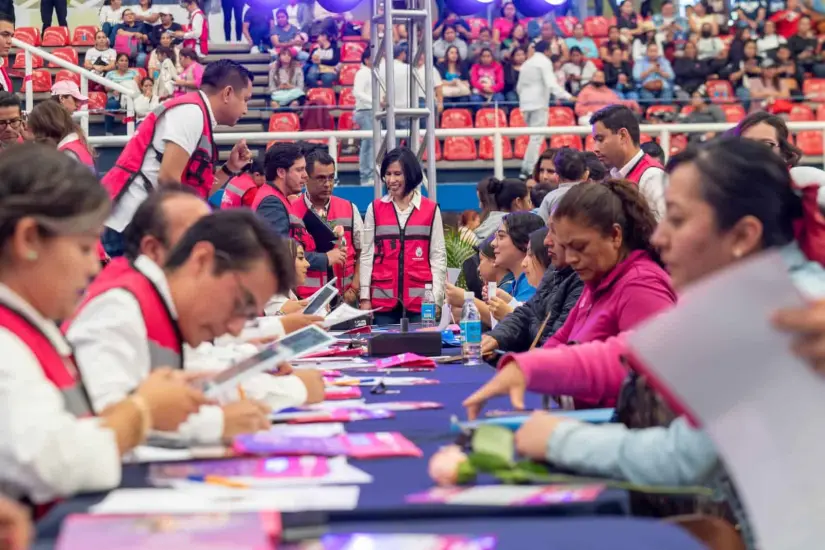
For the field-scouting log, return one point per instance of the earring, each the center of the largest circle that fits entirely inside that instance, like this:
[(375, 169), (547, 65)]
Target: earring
[(31, 255)]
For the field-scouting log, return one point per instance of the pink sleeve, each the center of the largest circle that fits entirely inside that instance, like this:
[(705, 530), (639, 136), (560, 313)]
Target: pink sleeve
[(474, 77), (560, 337), (498, 85), (641, 300), (581, 107), (197, 74), (593, 370)]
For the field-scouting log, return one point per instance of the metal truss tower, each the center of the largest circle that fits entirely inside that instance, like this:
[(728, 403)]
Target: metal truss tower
[(416, 16)]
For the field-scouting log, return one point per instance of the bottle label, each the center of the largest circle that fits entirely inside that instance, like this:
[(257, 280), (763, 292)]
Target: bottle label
[(471, 331), (428, 312)]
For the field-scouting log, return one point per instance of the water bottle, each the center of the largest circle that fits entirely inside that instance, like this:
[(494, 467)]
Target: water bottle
[(470, 331), (428, 307)]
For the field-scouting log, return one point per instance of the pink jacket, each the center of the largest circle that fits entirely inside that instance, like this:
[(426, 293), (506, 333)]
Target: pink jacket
[(636, 289), (494, 72)]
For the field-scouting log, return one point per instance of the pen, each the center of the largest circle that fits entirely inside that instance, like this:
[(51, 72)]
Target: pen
[(241, 393), (218, 480)]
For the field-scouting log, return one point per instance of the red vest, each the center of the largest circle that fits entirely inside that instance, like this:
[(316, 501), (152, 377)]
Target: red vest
[(4, 75), (340, 213), (203, 40), (200, 170), (239, 191), (401, 265), (60, 371), (646, 162), (297, 229), (80, 152), (165, 340)]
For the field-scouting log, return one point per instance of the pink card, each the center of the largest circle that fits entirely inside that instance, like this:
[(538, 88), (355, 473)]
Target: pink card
[(508, 495), (379, 445), (335, 352), (162, 532), (264, 468), (338, 393), (405, 360), (344, 415)]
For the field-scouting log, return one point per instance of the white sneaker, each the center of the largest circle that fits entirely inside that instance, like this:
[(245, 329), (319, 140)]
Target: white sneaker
[(254, 50)]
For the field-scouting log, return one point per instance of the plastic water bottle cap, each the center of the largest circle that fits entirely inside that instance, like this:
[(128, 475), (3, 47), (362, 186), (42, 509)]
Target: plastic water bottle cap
[(428, 286), (468, 295)]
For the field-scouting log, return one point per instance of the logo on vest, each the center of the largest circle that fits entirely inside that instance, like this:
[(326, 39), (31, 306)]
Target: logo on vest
[(419, 252)]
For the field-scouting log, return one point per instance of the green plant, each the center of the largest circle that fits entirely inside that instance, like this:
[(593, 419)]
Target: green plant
[(458, 250)]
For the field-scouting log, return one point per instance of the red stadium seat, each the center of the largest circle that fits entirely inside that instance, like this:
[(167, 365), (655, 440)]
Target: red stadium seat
[(346, 76), (596, 27), (324, 95), (566, 24), (820, 112), (678, 143), (68, 54), (97, 101), (516, 119), (345, 121), (29, 35), (20, 61), (65, 74), (284, 122), (476, 24), (460, 148), (456, 118), (644, 138), (347, 98), (720, 91), (351, 51), (686, 110), (801, 113), (661, 109), (490, 117), (84, 35), (41, 81), (141, 73), (438, 155), (566, 140), (55, 37), (589, 143), (734, 112), (485, 148), (810, 141), (521, 146), (814, 89), (598, 63), (561, 116)]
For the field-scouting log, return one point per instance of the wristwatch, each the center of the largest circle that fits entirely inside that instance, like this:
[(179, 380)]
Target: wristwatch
[(225, 169)]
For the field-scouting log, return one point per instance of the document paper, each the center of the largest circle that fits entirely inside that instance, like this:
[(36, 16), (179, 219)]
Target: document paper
[(764, 408)]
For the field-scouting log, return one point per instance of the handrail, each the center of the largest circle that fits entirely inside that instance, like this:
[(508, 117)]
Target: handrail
[(333, 137), (85, 76)]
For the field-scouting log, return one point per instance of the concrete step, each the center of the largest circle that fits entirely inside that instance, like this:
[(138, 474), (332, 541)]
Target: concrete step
[(228, 48), (242, 58), (257, 68)]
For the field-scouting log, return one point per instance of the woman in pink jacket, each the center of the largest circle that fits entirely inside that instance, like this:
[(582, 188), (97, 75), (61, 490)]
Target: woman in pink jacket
[(604, 232), (487, 79)]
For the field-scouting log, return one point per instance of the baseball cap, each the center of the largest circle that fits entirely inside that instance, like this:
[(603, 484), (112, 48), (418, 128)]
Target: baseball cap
[(164, 10), (68, 87)]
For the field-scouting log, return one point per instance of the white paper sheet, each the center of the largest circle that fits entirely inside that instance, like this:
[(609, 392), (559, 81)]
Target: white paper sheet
[(491, 291), (344, 313), (764, 408), (446, 316), (452, 274), (204, 498)]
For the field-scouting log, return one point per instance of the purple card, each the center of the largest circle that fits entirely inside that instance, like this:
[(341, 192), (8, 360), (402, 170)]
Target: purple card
[(165, 532), (399, 541), (264, 468), (273, 443), (508, 495)]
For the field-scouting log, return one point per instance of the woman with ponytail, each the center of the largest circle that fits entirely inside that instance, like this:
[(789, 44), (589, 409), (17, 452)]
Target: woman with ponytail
[(604, 231), (501, 197), (726, 201)]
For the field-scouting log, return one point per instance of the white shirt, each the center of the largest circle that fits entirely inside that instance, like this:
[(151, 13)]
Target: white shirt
[(113, 17), (537, 82), (144, 105), (292, 15), (652, 184), (110, 340), (768, 43), (108, 56), (195, 31), (438, 251), (180, 126), (45, 452), (362, 89), (137, 9)]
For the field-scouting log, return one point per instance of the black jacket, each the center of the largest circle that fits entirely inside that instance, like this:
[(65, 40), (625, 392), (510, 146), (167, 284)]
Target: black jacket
[(557, 294)]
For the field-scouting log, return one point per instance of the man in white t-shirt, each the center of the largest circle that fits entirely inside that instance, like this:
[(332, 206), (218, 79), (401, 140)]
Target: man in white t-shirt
[(178, 151)]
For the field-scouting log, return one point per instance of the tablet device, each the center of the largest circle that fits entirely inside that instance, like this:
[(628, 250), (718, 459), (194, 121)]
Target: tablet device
[(301, 342), (321, 298)]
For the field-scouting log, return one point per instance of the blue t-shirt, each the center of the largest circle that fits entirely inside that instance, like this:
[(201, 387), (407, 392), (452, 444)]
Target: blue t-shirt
[(522, 290), (506, 283)]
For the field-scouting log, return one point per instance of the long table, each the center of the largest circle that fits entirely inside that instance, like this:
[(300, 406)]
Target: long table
[(382, 504)]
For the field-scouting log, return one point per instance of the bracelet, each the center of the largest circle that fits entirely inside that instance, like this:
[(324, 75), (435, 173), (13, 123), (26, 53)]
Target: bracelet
[(225, 169), (145, 414)]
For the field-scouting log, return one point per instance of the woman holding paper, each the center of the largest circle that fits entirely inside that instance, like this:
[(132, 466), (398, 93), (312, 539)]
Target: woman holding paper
[(726, 200), (51, 216), (284, 305)]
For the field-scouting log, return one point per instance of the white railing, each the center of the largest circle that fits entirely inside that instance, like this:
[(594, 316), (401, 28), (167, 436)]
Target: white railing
[(664, 131), (85, 76)]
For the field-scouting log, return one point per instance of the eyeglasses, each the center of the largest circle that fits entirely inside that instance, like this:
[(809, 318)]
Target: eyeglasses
[(14, 123)]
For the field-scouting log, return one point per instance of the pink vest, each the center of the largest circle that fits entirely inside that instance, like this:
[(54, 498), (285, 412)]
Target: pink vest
[(646, 162)]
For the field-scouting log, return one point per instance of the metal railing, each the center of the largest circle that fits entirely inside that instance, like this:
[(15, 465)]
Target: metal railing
[(664, 131), (85, 76)]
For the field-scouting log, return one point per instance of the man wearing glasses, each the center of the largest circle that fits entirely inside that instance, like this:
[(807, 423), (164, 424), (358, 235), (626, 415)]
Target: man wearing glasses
[(12, 124), (6, 34), (335, 225)]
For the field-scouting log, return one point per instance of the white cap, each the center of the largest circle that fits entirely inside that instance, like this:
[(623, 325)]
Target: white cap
[(468, 295), (428, 286)]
